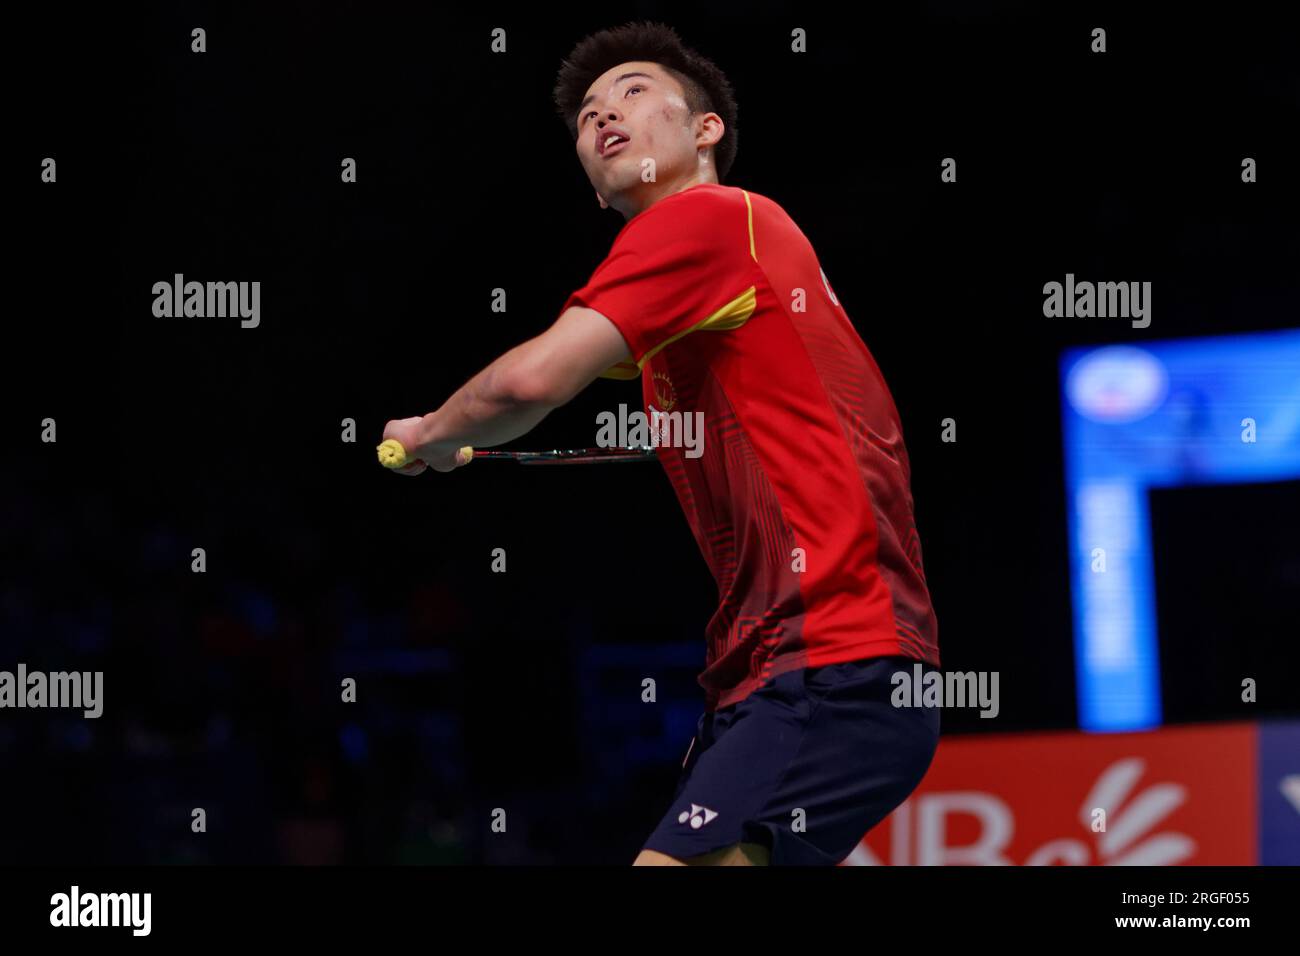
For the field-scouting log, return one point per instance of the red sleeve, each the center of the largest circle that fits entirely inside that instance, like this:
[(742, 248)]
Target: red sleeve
[(672, 269)]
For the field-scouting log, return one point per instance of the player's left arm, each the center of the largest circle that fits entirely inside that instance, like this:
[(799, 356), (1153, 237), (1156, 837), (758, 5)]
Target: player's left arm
[(509, 397)]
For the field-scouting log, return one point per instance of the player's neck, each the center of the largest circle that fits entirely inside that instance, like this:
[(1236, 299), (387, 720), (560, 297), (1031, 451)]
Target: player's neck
[(663, 193)]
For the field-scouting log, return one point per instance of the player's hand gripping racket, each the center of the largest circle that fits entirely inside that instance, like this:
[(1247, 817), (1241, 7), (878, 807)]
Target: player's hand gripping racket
[(393, 455)]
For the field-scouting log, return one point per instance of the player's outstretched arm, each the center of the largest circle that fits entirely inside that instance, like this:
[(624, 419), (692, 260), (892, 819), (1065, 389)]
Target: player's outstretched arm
[(509, 397)]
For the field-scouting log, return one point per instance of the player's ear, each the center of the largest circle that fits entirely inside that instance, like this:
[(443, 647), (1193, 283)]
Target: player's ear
[(601, 199), (710, 131)]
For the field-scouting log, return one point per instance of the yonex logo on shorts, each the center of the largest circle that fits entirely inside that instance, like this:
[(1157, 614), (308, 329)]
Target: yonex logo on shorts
[(698, 816)]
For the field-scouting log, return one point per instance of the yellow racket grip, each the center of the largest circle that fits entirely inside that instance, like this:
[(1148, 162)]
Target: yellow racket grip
[(393, 455)]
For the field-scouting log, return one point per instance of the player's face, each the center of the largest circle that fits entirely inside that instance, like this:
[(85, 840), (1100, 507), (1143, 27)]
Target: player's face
[(656, 134)]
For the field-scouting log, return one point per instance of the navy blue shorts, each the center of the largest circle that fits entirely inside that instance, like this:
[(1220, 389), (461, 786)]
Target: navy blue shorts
[(805, 765)]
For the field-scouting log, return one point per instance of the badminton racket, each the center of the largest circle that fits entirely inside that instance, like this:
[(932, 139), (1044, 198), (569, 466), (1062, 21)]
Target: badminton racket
[(393, 455)]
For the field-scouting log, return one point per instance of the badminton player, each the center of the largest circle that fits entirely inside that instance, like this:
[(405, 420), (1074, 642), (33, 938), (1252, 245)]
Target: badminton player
[(800, 501)]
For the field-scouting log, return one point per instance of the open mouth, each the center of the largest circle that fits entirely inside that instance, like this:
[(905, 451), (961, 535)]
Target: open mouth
[(614, 146)]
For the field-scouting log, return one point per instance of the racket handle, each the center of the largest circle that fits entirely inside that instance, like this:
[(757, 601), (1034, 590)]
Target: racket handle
[(393, 455)]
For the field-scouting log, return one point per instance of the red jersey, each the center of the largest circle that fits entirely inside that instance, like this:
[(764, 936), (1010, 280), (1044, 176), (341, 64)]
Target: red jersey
[(801, 500)]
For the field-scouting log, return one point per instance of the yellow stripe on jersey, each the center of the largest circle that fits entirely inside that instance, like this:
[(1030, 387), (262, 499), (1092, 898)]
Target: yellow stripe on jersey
[(750, 206), (623, 370), (731, 316)]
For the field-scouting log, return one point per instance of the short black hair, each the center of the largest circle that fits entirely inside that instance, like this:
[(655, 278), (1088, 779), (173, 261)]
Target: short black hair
[(706, 87)]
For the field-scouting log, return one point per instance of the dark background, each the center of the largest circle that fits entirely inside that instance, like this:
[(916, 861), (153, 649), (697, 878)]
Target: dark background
[(522, 690)]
